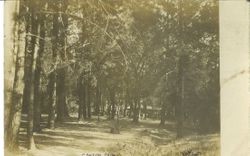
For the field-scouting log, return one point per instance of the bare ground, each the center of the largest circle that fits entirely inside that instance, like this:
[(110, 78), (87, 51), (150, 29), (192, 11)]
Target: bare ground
[(93, 138)]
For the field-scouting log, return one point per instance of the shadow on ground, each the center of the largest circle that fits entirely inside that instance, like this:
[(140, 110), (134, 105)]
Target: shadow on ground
[(77, 137)]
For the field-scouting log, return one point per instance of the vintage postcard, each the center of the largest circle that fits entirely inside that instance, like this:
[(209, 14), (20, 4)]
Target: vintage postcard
[(126, 77)]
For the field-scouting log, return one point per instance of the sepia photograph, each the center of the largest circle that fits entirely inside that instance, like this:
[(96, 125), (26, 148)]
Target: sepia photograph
[(112, 78)]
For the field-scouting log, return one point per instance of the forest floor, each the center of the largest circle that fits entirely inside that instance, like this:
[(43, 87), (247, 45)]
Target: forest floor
[(93, 138)]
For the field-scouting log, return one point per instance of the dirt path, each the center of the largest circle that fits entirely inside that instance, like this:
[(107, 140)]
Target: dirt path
[(73, 138)]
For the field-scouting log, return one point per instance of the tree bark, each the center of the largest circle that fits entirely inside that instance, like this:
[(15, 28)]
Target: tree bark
[(131, 105), (52, 100), (62, 41), (60, 93), (103, 105), (98, 99), (109, 108), (88, 99), (126, 103), (13, 100), (179, 110), (52, 77), (163, 113), (180, 75), (112, 102), (10, 44), (37, 90), (136, 110), (180, 95), (81, 93), (29, 79), (82, 90)]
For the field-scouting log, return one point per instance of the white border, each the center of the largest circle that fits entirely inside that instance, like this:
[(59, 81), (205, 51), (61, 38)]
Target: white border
[(1, 77), (234, 77)]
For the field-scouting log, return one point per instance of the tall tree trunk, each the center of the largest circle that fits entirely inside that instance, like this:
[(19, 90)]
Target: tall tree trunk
[(52, 100), (84, 100), (81, 93), (29, 78), (180, 95), (13, 99), (136, 110), (37, 90), (126, 103), (88, 99), (163, 113), (131, 109), (10, 43), (109, 108), (98, 99), (179, 110), (62, 112), (29, 60), (180, 75), (66, 110), (52, 77), (112, 101), (82, 90), (60, 93), (31, 142), (125, 109), (115, 128), (103, 104)]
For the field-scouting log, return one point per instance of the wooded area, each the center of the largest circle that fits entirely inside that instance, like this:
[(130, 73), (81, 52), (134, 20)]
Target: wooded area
[(111, 60)]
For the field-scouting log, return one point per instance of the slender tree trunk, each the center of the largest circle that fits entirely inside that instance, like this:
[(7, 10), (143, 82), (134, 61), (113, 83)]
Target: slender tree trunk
[(82, 99), (112, 102), (109, 109), (80, 109), (136, 110), (66, 110), (125, 109), (98, 100), (180, 76), (29, 61), (62, 109), (31, 142), (163, 113), (126, 103), (88, 99), (180, 96), (131, 110), (179, 111), (80, 96), (52, 100), (37, 92), (103, 104), (115, 129), (62, 41), (52, 77), (60, 90), (29, 79)]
